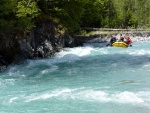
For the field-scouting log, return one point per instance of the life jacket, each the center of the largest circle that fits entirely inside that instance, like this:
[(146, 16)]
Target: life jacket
[(128, 40), (113, 40)]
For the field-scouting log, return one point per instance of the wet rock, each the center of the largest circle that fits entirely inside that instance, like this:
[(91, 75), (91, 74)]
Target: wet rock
[(26, 49)]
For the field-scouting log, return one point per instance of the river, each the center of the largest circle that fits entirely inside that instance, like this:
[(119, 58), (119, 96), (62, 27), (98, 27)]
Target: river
[(89, 79)]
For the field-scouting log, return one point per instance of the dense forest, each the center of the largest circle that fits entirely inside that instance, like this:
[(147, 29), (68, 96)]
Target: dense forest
[(19, 16)]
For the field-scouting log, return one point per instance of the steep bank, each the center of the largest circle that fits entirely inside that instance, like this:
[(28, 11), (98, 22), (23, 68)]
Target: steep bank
[(47, 38), (44, 40)]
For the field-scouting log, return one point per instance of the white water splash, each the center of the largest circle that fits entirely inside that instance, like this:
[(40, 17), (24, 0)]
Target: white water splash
[(78, 51), (139, 52), (118, 97), (124, 97), (56, 93), (13, 99)]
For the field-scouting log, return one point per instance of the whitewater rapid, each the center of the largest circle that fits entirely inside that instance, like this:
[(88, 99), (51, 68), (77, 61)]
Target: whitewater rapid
[(89, 79)]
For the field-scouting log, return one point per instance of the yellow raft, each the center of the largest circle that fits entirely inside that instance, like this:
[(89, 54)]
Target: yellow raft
[(120, 44)]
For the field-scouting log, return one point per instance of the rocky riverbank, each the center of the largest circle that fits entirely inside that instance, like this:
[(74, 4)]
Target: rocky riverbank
[(43, 41), (47, 38)]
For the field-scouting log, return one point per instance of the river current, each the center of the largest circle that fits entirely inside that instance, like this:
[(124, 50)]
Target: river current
[(89, 79)]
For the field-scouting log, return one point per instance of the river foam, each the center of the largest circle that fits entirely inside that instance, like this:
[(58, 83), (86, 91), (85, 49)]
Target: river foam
[(124, 97), (89, 79)]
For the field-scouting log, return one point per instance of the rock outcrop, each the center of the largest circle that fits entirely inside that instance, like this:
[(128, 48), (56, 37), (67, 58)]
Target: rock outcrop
[(44, 40)]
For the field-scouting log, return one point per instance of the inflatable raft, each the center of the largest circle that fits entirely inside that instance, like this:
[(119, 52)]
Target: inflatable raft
[(120, 44)]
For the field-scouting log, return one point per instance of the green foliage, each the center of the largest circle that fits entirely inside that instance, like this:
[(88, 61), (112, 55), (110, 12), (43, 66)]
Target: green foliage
[(93, 13), (7, 8), (20, 15), (7, 15), (27, 9), (24, 24), (70, 15), (69, 12), (17, 16), (109, 14), (82, 32)]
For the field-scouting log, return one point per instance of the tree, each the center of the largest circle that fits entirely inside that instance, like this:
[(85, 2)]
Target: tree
[(92, 16), (27, 11), (109, 14), (67, 12), (7, 15)]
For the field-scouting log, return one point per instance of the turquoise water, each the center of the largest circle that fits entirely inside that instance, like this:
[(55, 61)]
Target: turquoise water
[(89, 79)]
